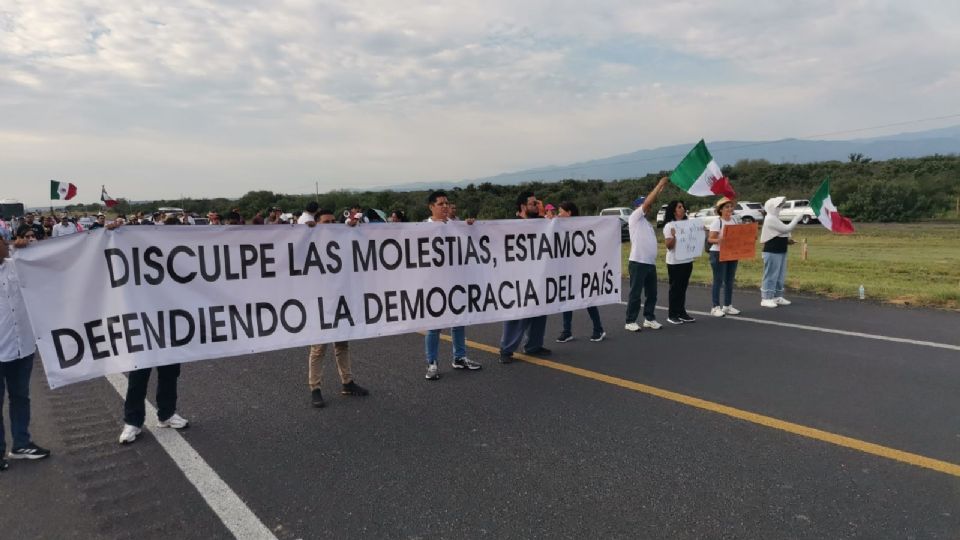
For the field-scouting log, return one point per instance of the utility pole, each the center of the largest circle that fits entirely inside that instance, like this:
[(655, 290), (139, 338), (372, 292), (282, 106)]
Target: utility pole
[(317, 185)]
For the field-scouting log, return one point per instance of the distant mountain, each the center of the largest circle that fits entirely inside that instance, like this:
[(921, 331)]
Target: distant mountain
[(642, 162)]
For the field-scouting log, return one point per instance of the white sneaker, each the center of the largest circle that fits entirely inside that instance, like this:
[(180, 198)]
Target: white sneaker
[(730, 310), (631, 327), (176, 422), (717, 311), (129, 434), (781, 301), (653, 325), (433, 372), (768, 302)]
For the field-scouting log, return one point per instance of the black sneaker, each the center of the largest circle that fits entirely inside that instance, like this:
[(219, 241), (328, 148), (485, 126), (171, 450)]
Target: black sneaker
[(598, 336), (539, 351), (565, 337), (506, 358), (674, 320), (353, 389), (30, 451), (3, 464), (686, 318), (462, 362), (316, 399)]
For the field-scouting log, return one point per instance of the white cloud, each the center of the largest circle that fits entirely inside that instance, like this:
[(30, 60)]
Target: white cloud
[(200, 94)]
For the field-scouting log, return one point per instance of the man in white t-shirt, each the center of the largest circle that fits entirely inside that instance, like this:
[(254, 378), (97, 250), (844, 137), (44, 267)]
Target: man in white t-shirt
[(309, 214), (63, 228), (643, 263)]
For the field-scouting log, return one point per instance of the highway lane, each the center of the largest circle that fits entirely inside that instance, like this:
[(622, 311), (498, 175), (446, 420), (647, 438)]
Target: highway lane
[(526, 451)]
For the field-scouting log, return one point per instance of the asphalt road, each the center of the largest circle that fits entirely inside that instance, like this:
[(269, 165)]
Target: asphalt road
[(532, 451)]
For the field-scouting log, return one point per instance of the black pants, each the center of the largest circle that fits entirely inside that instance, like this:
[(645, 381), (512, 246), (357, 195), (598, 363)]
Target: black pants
[(133, 405), (643, 280), (679, 275)]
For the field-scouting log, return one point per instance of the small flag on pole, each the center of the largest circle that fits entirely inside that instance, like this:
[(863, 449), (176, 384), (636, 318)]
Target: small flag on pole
[(107, 199), (62, 191), (827, 213), (698, 174)]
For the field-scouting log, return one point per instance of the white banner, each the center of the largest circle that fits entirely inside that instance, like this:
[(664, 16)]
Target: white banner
[(691, 237), (140, 296)]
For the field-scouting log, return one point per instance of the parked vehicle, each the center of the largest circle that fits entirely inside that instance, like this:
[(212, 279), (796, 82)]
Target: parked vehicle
[(790, 209), (661, 216), (623, 213), (86, 222), (706, 215), (750, 212)]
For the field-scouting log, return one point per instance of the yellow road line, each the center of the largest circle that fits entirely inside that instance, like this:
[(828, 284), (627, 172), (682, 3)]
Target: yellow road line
[(790, 427)]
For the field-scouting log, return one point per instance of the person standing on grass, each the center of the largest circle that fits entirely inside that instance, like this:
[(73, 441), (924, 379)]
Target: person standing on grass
[(724, 273), (775, 237), (678, 271), (17, 346), (439, 206), (642, 265), (341, 349), (569, 209)]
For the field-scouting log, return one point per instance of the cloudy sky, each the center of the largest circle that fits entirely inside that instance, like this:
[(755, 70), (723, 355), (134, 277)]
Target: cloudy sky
[(203, 98)]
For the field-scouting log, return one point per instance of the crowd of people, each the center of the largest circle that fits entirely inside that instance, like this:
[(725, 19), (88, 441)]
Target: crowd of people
[(17, 344)]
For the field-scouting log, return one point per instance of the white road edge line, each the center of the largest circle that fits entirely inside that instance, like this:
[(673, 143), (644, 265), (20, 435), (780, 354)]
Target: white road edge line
[(830, 330), (232, 511)]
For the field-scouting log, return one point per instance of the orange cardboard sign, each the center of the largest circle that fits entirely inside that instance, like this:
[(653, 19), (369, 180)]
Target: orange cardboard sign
[(739, 242)]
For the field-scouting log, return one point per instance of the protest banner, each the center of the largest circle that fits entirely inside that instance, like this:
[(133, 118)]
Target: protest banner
[(739, 242), (691, 237), (109, 301)]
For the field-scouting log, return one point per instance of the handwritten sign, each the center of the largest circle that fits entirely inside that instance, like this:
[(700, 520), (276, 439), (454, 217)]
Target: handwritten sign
[(739, 242), (690, 236)]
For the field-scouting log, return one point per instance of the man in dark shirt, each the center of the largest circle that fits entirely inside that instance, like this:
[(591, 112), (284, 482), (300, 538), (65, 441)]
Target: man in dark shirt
[(29, 223)]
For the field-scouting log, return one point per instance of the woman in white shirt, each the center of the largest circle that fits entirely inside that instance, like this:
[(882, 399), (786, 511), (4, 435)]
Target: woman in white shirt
[(678, 270), (724, 273)]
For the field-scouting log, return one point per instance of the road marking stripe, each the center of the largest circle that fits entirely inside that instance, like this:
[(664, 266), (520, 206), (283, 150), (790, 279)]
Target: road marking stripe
[(232, 511), (830, 330), (783, 425)]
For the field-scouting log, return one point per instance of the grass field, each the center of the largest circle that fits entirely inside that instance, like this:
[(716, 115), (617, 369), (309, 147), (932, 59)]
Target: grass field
[(915, 264)]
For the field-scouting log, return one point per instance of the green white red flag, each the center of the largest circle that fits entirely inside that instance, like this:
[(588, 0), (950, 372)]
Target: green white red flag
[(107, 199), (827, 213), (62, 191), (698, 174)]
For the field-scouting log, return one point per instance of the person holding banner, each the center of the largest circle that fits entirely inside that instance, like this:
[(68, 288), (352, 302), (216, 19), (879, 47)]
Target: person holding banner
[(439, 207), (341, 349), (775, 238), (527, 207), (678, 270), (569, 209), (724, 273), (642, 265), (17, 346)]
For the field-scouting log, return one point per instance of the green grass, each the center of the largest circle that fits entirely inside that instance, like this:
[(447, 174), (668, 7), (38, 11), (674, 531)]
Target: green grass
[(914, 264)]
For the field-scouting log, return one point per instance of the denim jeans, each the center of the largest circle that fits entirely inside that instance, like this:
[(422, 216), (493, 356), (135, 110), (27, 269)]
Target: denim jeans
[(594, 317), (432, 343), (723, 276), (513, 332), (134, 409), (15, 379), (774, 275), (643, 279)]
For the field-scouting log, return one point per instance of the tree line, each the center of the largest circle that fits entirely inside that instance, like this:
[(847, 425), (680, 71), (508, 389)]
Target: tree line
[(896, 190)]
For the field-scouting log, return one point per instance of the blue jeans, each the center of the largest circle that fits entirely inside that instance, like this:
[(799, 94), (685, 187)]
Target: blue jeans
[(432, 342), (643, 280), (594, 316), (513, 332), (774, 275), (723, 276), (15, 378)]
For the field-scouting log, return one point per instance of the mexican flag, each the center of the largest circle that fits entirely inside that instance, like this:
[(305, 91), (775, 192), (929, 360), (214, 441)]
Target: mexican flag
[(827, 212), (107, 199), (62, 190), (698, 174)]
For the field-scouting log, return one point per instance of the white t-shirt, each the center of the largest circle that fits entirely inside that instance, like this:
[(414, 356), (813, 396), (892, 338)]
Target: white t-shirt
[(669, 231), (643, 239), (716, 227), (305, 218), (16, 336), (63, 230)]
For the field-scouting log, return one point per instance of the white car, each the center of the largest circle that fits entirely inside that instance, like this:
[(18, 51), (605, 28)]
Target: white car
[(623, 213), (750, 212), (707, 216), (661, 216), (790, 209)]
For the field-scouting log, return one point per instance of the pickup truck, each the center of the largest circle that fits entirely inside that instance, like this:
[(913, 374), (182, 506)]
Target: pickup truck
[(790, 209)]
